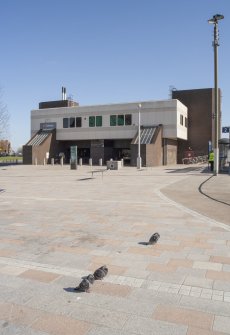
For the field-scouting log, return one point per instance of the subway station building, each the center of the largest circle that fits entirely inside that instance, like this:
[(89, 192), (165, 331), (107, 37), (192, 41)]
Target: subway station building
[(111, 131)]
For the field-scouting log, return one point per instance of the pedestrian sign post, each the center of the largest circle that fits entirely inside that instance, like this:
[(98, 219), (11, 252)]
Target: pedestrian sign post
[(226, 130)]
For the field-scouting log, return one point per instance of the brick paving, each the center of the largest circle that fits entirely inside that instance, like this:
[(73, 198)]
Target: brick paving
[(58, 225)]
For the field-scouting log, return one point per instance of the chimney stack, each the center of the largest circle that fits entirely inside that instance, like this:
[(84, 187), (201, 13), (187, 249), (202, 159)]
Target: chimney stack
[(63, 90)]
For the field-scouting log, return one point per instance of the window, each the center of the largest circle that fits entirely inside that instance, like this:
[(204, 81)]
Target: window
[(128, 119), (120, 120), (92, 121), (72, 122), (65, 122), (186, 122), (113, 120), (181, 119), (78, 122), (98, 121)]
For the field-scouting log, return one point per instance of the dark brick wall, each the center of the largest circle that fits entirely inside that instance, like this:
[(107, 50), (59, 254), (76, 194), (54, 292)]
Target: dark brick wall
[(154, 151), (200, 104), (27, 154), (151, 154)]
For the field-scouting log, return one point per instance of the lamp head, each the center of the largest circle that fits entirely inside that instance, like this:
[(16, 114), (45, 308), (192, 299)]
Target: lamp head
[(216, 18)]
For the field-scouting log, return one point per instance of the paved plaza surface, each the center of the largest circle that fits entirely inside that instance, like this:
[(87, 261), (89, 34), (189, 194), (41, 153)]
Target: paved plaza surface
[(58, 225)]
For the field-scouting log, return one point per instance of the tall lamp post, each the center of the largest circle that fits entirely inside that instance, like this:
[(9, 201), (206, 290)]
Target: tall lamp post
[(139, 138), (214, 20)]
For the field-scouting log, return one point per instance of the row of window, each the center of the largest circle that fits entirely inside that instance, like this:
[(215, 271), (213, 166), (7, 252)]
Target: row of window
[(96, 121), (121, 120), (71, 122), (115, 120)]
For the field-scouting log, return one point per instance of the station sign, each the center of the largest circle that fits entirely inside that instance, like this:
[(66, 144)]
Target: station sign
[(225, 130)]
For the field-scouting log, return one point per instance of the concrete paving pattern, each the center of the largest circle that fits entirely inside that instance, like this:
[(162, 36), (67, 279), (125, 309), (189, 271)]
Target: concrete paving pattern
[(58, 225)]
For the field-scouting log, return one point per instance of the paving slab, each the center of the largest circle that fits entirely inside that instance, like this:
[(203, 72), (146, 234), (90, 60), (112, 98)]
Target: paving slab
[(58, 225)]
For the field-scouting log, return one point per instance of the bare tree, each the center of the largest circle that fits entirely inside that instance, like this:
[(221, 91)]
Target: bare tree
[(4, 120)]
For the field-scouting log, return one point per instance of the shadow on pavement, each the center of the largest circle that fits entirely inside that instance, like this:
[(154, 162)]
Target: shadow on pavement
[(70, 289), (188, 169), (82, 179), (143, 243)]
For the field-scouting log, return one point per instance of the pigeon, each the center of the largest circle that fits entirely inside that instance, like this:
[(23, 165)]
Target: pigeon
[(83, 286), (105, 269), (154, 238), (90, 278), (101, 272)]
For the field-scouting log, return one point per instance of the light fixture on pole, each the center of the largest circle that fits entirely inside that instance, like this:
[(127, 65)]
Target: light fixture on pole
[(139, 138), (214, 20)]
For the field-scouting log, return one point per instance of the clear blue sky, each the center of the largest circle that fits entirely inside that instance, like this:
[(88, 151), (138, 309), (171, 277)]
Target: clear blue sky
[(107, 51)]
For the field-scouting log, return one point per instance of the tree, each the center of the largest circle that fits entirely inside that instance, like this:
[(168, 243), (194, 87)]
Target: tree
[(4, 120), (19, 150)]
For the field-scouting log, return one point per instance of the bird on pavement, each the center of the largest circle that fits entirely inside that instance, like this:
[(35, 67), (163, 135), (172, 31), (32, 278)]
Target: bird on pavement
[(101, 272), (154, 238), (104, 268), (84, 286), (90, 278)]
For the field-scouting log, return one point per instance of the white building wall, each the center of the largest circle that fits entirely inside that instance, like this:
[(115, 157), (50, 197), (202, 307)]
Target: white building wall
[(153, 113), (181, 129)]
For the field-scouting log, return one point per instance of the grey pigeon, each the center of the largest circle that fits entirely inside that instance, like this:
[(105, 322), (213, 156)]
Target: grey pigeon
[(154, 238), (83, 286), (90, 278), (99, 274), (105, 269)]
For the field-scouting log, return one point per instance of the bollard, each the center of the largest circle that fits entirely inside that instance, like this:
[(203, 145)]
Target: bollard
[(80, 161), (122, 162), (44, 161), (100, 162), (36, 161), (90, 162), (52, 161), (61, 161)]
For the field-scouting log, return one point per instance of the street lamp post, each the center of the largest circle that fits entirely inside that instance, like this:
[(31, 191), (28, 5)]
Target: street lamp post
[(214, 20), (139, 138)]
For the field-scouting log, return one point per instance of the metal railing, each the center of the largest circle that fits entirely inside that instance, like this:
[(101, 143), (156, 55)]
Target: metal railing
[(195, 160), (10, 161)]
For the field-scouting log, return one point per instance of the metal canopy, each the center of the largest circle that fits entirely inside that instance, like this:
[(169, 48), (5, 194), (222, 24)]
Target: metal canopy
[(146, 135)]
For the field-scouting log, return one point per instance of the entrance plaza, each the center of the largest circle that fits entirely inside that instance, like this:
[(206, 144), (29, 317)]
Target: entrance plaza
[(58, 225)]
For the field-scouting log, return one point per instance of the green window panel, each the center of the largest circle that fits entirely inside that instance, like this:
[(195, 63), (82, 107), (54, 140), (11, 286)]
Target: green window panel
[(120, 120), (98, 121), (92, 121), (113, 120)]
